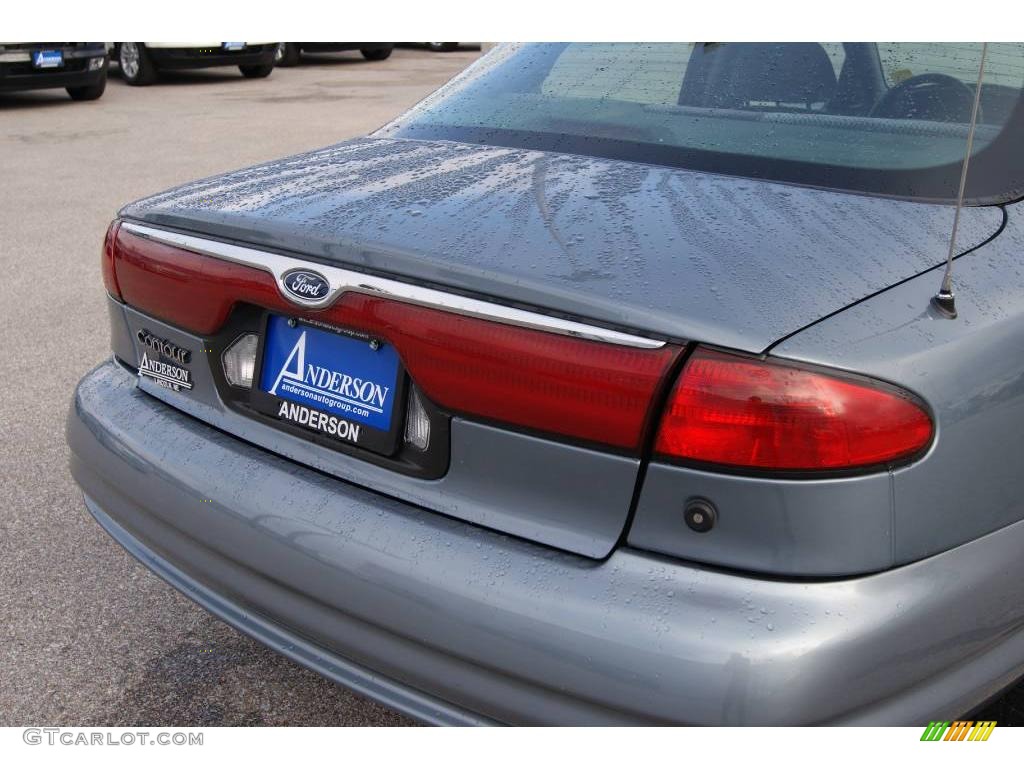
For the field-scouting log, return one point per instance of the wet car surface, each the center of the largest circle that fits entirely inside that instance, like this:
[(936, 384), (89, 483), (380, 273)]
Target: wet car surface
[(395, 390), (492, 571)]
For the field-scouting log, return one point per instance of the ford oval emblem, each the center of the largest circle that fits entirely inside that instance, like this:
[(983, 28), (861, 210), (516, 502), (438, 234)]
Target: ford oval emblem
[(306, 286)]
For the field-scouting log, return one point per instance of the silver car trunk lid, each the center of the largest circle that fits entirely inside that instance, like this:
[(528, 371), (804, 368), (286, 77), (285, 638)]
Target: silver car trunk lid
[(672, 253)]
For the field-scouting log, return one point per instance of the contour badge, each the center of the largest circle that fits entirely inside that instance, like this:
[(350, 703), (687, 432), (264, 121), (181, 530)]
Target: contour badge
[(306, 286), (164, 347)]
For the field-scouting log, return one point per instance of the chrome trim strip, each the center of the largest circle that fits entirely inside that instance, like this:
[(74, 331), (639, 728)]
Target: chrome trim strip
[(12, 56), (343, 280)]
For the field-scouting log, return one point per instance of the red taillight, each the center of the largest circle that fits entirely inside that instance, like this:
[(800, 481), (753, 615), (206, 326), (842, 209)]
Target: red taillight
[(572, 387), (107, 260), (187, 289), (575, 388), (741, 412)]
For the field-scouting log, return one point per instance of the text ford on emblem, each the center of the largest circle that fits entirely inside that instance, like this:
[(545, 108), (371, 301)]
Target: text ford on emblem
[(306, 286)]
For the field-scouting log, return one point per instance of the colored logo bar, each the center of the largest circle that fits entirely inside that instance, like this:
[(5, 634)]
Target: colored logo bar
[(960, 730)]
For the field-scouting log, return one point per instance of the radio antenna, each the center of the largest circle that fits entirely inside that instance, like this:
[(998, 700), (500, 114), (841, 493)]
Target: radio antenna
[(945, 300)]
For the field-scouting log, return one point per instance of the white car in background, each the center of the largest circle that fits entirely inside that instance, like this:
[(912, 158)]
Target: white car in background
[(141, 63)]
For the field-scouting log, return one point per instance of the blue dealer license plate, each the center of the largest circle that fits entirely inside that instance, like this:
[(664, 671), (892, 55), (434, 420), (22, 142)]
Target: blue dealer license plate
[(47, 59), (328, 381)]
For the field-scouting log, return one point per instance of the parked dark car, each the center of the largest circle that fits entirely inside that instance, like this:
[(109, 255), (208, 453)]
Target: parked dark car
[(289, 54), (80, 68), (606, 385), (141, 63)]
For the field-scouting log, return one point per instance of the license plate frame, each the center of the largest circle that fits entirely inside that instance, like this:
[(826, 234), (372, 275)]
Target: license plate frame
[(367, 436)]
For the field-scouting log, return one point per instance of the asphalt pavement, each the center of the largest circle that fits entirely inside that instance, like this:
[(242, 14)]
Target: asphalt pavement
[(88, 636)]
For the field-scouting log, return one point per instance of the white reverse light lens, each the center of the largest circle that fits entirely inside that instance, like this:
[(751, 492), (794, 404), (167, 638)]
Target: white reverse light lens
[(95, 63), (240, 360), (417, 423)]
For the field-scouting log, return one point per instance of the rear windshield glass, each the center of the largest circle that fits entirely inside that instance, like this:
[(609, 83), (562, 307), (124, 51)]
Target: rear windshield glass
[(882, 118)]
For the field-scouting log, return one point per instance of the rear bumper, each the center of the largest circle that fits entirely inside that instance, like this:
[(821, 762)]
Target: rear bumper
[(273, 635), (451, 623), (197, 58)]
